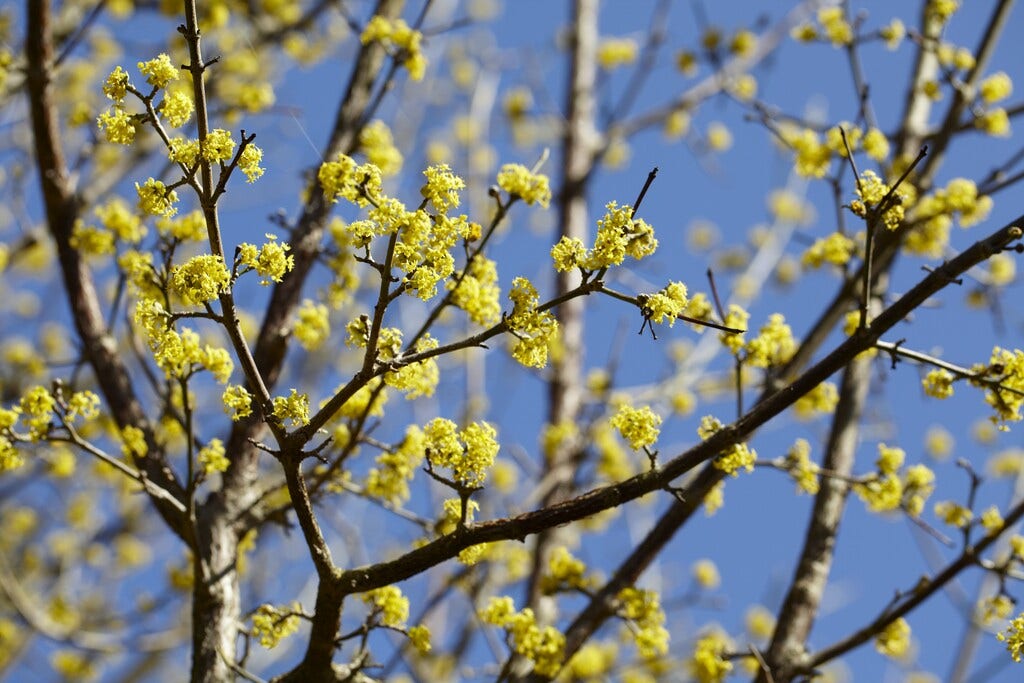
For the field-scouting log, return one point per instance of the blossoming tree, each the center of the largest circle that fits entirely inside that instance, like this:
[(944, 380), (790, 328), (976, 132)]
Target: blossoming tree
[(281, 444)]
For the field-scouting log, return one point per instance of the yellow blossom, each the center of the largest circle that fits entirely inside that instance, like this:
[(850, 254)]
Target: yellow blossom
[(894, 639), (938, 384), (200, 279), (212, 458), (615, 52), (995, 122), (893, 33), (518, 181), (237, 402), (116, 85), (294, 407), (773, 346), (176, 108), (158, 71), (156, 199), (801, 468), (639, 426), (705, 573), (996, 87), (707, 664), (272, 624), (1013, 636), (953, 514), (117, 126), (390, 604)]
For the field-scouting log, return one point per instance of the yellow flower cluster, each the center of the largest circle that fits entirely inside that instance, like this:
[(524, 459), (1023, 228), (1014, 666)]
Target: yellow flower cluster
[(953, 57), (419, 636), (639, 426), (991, 519), (424, 246), (200, 279), (734, 457), (1006, 395), (117, 125), (996, 87), (615, 52), (294, 407), (177, 107), (995, 122), (643, 607), (558, 437), (73, 666), (212, 457), (533, 329), (871, 190), (35, 410), (933, 216), (812, 157), (873, 141), (707, 664), (312, 326), (116, 85), (953, 513), (179, 353), (417, 379), (773, 346), (595, 661), (942, 9), (273, 624), (156, 199), (743, 43), (237, 401), (518, 181), (835, 249), (360, 405), (832, 22), (218, 146), (801, 468), (938, 384), (249, 162), (389, 480), (117, 222), (451, 517), (619, 234), (893, 33), (442, 187), (565, 572), (469, 453), (133, 442), (84, 404), (667, 304), (545, 647), (837, 28), (397, 34), (997, 607), (158, 71), (377, 143), (271, 261), (343, 177), (822, 399), (886, 490), (736, 318), (1013, 636), (894, 639), (390, 604), (478, 291)]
